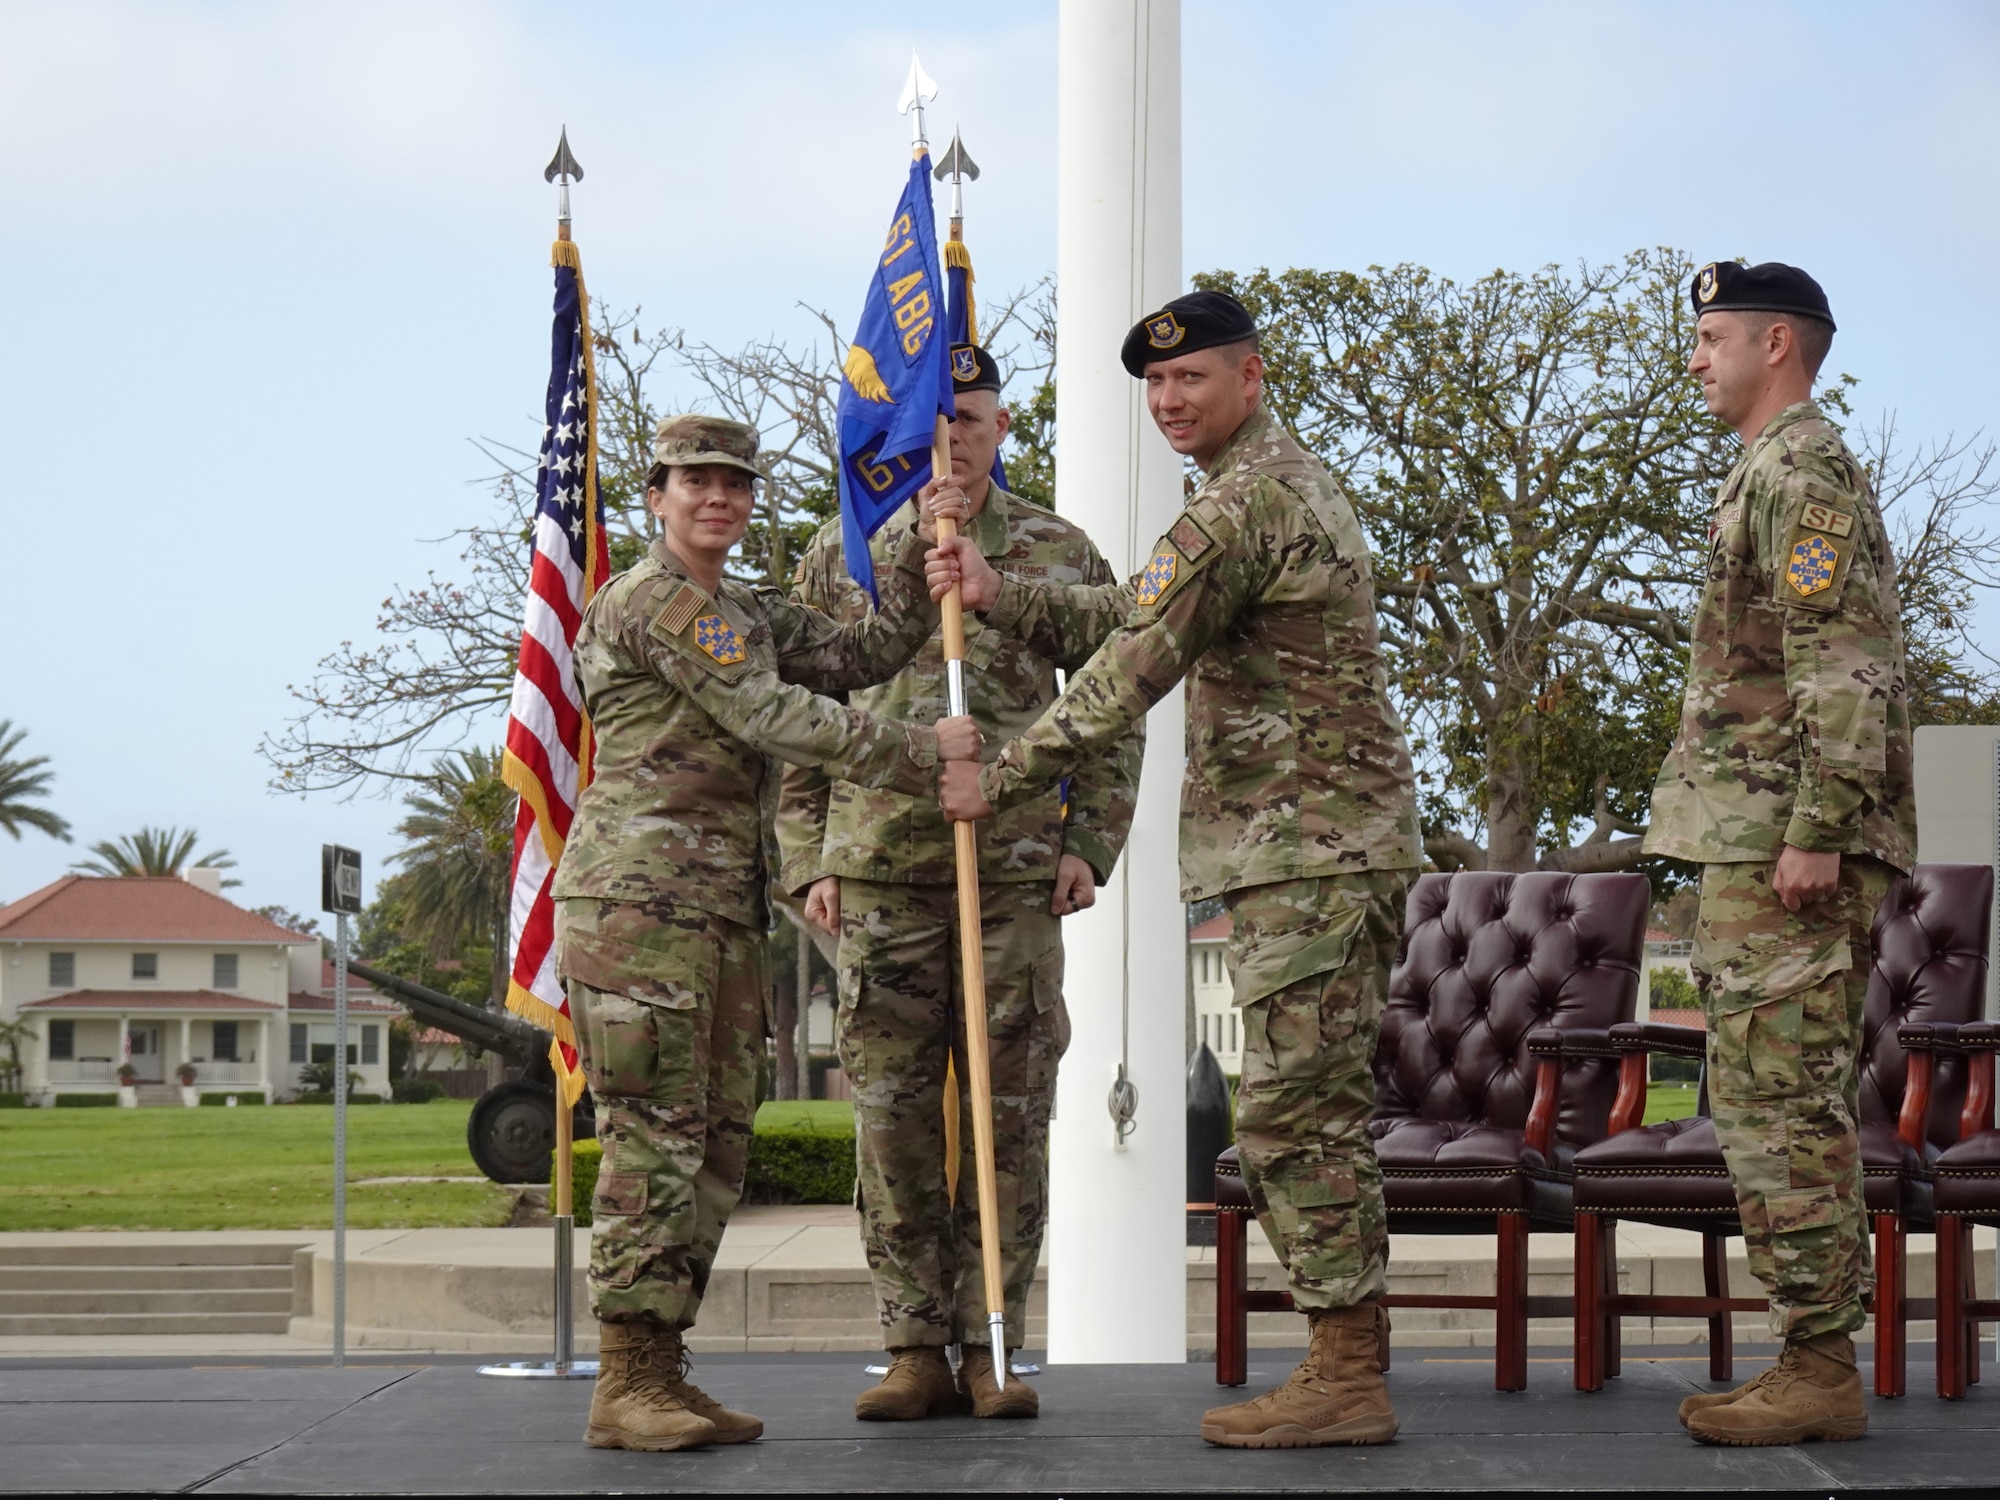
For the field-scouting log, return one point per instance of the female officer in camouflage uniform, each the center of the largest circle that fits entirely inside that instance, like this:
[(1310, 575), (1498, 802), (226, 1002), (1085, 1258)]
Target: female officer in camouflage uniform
[(690, 682)]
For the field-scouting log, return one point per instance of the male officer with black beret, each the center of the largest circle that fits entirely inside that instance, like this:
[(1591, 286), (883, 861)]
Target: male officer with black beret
[(877, 868), (1790, 784), (1298, 809)]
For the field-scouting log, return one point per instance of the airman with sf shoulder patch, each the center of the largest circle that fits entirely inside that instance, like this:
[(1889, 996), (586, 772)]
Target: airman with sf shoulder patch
[(691, 681), (1790, 784), (1298, 809)]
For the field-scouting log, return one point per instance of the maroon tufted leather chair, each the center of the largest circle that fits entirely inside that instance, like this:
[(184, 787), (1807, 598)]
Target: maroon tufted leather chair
[(1929, 967), (1966, 1188), (1479, 1108)]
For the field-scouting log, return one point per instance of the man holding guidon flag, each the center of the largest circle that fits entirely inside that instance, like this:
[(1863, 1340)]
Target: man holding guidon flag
[(879, 867)]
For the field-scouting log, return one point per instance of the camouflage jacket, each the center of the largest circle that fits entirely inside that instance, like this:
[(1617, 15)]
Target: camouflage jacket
[(1260, 596), (838, 828), (1794, 728), (687, 695)]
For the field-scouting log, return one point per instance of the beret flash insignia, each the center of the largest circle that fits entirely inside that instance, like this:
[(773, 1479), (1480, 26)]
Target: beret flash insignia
[(964, 365), (1704, 283), (718, 638), (1812, 565), (1158, 577), (1164, 331)]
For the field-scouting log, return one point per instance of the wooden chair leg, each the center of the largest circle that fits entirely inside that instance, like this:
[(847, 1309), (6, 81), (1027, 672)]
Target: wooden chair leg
[(1950, 1308), (1969, 1267), (1510, 1315), (1892, 1298), (1612, 1359), (1715, 1285), (1587, 1329), (1232, 1281)]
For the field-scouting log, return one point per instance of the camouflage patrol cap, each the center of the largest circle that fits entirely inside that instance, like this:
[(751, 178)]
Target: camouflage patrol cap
[(697, 439)]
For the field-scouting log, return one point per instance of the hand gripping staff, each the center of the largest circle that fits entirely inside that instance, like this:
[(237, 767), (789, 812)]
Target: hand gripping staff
[(917, 91)]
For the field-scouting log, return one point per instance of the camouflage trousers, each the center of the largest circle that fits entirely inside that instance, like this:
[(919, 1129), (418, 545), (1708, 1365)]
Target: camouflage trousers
[(900, 1011), (669, 1009), (1310, 960), (1783, 994)]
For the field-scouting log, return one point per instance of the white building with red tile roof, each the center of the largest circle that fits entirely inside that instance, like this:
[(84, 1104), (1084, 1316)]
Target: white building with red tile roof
[(1217, 1021), (164, 973)]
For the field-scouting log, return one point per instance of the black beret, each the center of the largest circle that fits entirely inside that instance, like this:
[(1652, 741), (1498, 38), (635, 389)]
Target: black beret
[(1724, 286), (973, 369), (1200, 320)]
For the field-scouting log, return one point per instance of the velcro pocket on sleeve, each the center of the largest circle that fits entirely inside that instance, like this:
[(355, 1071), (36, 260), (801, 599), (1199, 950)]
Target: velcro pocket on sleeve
[(614, 966), (1285, 958)]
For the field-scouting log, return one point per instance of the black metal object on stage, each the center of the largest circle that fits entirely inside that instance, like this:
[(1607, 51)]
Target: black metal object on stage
[(1207, 1122)]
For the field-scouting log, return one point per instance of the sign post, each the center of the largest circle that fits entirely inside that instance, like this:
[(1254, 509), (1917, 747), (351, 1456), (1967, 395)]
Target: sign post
[(339, 893)]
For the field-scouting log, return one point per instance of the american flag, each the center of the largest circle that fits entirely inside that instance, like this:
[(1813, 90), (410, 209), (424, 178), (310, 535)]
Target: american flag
[(548, 753)]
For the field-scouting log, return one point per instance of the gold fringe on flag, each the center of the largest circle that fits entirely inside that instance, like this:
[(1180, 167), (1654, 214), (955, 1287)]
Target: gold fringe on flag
[(956, 256)]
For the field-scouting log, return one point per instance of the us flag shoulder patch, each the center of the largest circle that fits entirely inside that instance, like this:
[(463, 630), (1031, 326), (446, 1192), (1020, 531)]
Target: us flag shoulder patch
[(683, 604)]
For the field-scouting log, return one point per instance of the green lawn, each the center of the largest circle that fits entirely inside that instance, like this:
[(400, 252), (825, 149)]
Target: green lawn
[(811, 1116), (265, 1167), (1669, 1101)]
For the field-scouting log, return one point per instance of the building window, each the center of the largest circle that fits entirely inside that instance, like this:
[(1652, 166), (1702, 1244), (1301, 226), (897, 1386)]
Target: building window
[(62, 1040), (145, 966), (371, 1046), (1232, 1031), (62, 970), (225, 971), (299, 1053), (222, 1047)]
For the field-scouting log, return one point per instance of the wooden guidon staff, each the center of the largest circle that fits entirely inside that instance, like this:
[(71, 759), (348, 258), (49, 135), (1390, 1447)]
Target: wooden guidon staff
[(972, 961)]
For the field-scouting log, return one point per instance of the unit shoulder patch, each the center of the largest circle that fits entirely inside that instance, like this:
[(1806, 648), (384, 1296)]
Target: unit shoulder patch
[(1813, 564), (1158, 577), (719, 639)]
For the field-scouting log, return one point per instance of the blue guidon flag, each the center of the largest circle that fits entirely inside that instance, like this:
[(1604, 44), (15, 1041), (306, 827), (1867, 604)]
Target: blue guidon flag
[(897, 378)]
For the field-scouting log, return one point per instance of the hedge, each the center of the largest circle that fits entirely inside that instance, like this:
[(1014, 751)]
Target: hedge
[(310, 1096), (85, 1101), (416, 1090), (224, 1098), (13, 1101), (786, 1166)]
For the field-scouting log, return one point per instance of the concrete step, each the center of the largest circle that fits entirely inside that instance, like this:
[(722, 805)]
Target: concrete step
[(181, 1250), (146, 1300), (52, 1278), (88, 1325), (156, 1094)]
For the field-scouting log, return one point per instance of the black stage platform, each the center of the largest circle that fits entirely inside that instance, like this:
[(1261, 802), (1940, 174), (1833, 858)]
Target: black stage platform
[(431, 1426)]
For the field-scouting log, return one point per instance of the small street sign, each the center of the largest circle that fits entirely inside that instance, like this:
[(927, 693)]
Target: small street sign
[(339, 879)]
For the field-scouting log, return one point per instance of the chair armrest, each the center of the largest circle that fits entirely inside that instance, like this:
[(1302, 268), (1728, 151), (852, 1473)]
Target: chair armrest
[(1979, 1036), (1933, 1036), (1658, 1036), (1583, 1041)]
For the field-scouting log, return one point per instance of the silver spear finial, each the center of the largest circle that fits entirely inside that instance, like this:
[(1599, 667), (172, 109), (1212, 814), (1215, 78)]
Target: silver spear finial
[(563, 165), (918, 90), (958, 165)]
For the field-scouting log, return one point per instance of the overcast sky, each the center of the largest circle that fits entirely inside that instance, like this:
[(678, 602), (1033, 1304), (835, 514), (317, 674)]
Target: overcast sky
[(275, 267)]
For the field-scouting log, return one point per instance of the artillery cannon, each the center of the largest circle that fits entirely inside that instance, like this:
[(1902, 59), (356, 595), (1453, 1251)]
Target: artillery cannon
[(512, 1129)]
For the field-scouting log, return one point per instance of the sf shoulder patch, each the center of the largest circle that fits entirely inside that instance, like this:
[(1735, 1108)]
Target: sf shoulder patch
[(1814, 562), (1189, 538), (719, 639), (1819, 517), (1158, 577)]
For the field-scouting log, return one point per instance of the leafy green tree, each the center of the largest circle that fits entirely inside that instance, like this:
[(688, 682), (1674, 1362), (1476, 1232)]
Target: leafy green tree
[(154, 851), (13, 1034), (458, 858), (1536, 471), (24, 781)]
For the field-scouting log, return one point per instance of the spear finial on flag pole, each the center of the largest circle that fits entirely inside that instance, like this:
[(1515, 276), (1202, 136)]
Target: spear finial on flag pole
[(563, 165), (957, 167), (918, 90)]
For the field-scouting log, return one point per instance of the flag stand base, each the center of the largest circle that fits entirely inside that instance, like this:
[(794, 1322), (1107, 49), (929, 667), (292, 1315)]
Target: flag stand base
[(563, 1366)]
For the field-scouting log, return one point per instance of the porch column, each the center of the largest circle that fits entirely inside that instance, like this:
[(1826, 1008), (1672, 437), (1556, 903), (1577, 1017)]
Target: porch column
[(124, 1042), (187, 1039)]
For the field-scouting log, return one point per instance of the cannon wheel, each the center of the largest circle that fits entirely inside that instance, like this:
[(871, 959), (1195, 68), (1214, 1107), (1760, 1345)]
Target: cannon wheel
[(512, 1132)]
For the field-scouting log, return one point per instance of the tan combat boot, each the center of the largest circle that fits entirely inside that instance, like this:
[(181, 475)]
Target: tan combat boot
[(918, 1385), (1813, 1391), (1336, 1396), (1703, 1400), (633, 1404), (975, 1379), (671, 1353)]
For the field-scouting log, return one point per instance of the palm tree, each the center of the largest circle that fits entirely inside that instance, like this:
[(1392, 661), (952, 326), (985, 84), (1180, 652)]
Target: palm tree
[(153, 851), (23, 781), (459, 856)]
